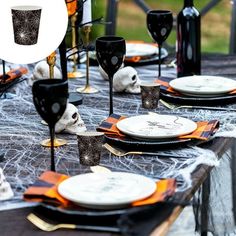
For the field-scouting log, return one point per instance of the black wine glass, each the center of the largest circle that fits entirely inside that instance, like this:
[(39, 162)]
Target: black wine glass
[(110, 52), (159, 24), (50, 100)]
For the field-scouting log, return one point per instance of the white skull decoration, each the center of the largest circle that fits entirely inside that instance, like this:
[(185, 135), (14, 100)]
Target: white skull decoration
[(41, 71), (5, 188), (126, 80), (71, 121)]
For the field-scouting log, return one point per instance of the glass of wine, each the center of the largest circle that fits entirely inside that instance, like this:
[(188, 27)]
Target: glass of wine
[(50, 99), (110, 52), (159, 24)]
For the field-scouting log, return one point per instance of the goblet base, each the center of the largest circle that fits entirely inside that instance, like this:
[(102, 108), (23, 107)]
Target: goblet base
[(57, 142), (87, 89), (75, 98), (75, 74)]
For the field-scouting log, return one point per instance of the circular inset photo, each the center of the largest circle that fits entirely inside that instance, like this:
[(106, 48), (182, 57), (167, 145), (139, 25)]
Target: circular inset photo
[(31, 31)]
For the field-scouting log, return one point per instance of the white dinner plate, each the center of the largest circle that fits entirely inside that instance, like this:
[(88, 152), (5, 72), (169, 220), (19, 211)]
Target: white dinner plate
[(156, 126), (106, 190), (140, 49), (203, 85)]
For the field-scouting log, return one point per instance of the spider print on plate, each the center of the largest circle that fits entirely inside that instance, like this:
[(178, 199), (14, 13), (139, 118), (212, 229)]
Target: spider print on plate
[(169, 126)]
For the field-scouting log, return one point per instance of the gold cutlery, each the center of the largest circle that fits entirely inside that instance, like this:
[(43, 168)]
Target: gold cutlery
[(172, 106), (45, 226), (120, 153)]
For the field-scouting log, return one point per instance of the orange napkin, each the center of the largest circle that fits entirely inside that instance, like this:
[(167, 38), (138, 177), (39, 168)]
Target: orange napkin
[(205, 129), (165, 86), (45, 190), (14, 74), (233, 92), (165, 189), (108, 126)]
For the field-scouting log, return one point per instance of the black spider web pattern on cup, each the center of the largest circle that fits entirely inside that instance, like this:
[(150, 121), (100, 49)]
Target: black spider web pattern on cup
[(26, 26)]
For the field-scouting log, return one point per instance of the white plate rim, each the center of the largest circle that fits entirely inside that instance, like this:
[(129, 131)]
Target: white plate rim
[(152, 50), (176, 85), (121, 126), (150, 188)]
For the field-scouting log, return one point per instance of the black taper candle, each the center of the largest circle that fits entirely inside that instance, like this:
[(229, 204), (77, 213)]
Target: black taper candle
[(62, 51), (4, 70)]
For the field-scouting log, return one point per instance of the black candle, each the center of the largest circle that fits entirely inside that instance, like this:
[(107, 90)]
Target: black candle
[(62, 51)]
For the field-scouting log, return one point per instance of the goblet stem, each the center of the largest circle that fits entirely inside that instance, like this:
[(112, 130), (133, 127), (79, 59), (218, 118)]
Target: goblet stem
[(74, 39), (111, 94), (87, 88), (159, 61), (87, 30), (4, 70), (52, 134)]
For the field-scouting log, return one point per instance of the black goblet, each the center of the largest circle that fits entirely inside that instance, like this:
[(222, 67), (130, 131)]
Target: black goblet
[(110, 52), (50, 100), (159, 24)]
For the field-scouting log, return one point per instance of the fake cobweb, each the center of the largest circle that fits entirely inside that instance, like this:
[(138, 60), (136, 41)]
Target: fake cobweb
[(23, 159)]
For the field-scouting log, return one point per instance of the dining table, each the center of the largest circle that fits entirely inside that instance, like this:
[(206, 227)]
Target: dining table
[(23, 159)]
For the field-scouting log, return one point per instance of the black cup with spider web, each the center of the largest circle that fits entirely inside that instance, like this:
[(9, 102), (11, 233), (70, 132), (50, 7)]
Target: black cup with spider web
[(26, 23), (90, 147)]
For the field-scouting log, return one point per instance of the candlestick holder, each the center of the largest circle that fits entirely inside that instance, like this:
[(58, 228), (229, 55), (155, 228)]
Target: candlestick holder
[(51, 60), (74, 73), (58, 142), (87, 88)]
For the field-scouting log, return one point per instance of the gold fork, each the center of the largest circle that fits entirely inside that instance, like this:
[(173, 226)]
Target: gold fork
[(172, 106), (120, 153), (45, 226)]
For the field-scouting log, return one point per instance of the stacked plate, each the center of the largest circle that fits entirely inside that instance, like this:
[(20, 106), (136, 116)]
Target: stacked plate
[(203, 86), (156, 127), (152, 132), (106, 190), (143, 53)]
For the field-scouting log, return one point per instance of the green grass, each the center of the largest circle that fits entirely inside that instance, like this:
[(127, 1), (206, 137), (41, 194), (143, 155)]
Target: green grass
[(131, 22)]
